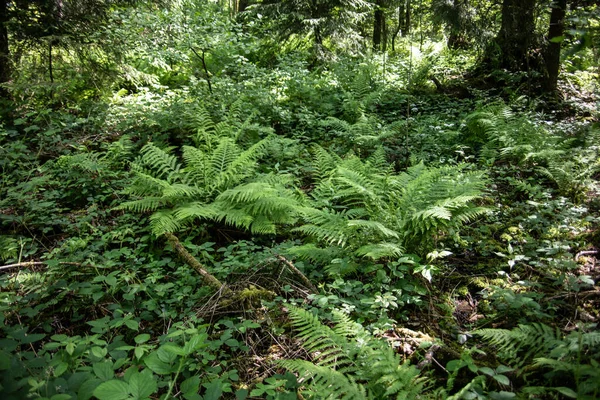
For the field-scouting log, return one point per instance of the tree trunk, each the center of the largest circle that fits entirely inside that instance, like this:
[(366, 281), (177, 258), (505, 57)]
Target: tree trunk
[(517, 33), (242, 5), (555, 31), (401, 16), (4, 49), (406, 27), (378, 24)]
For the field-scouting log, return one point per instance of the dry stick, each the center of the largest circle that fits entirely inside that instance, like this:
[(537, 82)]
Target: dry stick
[(190, 260), (585, 253), (28, 264), (303, 277), (428, 357)]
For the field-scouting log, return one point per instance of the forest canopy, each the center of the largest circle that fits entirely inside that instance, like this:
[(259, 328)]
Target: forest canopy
[(299, 199)]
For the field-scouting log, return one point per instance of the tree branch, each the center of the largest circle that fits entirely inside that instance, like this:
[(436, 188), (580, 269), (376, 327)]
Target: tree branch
[(28, 264), (190, 260), (302, 277)]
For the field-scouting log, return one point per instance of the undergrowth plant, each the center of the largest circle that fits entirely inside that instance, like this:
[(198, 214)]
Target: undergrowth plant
[(349, 362), (568, 363), (366, 208), (217, 180)]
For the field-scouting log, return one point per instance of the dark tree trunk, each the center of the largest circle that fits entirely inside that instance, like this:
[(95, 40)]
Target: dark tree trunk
[(242, 5), (406, 27), (378, 25), (517, 34), (552, 55), (401, 17), (4, 49)]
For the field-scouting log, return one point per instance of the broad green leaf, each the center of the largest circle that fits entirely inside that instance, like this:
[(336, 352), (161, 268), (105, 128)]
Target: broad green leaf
[(241, 394), (60, 369), (142, 338), (487, 371), (165, 356), (142, 384), (190, 388), (213, 390), (86, 390), (502, 379), (104, 370), (61, 396), (566, 391), (112, 390), (33, 338), (156, 365), (195, 342), (503, 368), (4, 361), (174, 349), (70, 347), (99, 352), (132, 324), (139, 352)]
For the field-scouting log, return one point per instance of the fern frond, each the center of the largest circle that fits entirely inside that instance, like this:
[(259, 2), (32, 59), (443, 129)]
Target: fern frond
[(318, 338), (534, 339), (314, 254), (378, 251), (325, 383), (164, 221), (159, 160), (8, 247), (195, 210), (143, 205), (324, 162), (373, 226)]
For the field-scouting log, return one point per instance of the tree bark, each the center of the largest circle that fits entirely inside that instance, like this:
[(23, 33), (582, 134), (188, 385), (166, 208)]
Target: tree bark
[(4, 49), (401, 16), (516, 34), (555, 31), (407, 15), (189, 259), (378, 24)]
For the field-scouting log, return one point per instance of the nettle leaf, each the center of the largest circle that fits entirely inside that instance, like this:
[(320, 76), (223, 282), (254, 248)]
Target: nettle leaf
[(104, 370), (213, 390), (112, 390), (190, 388), (142, 384), (156, 365)]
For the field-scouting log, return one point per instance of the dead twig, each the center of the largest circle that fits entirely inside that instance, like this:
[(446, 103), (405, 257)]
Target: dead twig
[(428, 356), (302, 277), (190, 260), (585, 253), (28, 264)]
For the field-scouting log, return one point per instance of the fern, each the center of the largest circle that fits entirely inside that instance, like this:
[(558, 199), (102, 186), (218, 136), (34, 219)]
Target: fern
[(209, 183), (8, 247), (522, 343), (571, 177), (571, 361), (499, 134), (349, 362), (374, 213)]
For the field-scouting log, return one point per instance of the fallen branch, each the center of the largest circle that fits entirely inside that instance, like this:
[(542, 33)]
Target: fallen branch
[(190, 260), (28, 264), (302, 277), (585, 253), (428, 357)]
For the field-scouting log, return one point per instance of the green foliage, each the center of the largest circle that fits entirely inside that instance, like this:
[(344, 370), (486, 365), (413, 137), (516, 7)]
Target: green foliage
[(570, 361), (365, 207), (211, 184), (498, 134), (349, 362)]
